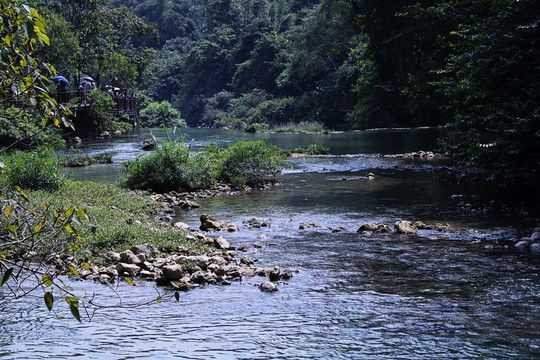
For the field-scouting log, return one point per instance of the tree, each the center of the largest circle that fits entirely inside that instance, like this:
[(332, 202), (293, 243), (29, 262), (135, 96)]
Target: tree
[(29, 233), (492, 80), (24, 80)]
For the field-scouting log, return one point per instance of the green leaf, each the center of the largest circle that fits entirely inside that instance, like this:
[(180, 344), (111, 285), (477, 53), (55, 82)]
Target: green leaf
[(128, 280), (177, 295), (73, 271), (9, 210), (6, 276), (72, 301), (49, 300), (159, 299), (47, 279), (85, 266), (75, 312)]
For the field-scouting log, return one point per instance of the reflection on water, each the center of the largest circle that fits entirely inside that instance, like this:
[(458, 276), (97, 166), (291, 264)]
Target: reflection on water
[(356, 296)]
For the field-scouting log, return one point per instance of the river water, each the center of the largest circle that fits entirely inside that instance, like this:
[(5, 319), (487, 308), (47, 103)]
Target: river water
[(435, 295)]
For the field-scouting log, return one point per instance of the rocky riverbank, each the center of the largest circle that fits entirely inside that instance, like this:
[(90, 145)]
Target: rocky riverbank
[(178, 268)]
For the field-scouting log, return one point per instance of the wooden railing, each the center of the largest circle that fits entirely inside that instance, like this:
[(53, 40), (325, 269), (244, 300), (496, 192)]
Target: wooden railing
[(122, 106)]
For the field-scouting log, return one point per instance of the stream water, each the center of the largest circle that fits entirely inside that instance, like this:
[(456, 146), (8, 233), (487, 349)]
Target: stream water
[(435, 295)]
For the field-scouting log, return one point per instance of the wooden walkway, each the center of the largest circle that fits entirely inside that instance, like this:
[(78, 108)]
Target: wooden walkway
[(122, 106)]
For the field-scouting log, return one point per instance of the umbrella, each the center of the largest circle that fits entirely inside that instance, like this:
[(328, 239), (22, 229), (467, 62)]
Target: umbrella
[(88, 78), (61, 80)]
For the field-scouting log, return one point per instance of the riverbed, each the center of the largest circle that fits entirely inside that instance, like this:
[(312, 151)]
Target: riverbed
[(463, 294)]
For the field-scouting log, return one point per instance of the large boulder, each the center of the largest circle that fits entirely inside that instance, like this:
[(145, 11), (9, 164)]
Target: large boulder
[(172, 272), (147, 250), (268, 286), (222, 243), (129, 257), (377, 226), (148, 145), (127, 269), (405, 227), (210, 223)]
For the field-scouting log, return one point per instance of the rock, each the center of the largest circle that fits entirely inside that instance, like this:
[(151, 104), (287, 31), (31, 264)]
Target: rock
[(286, 275), (172, 272), (112, 256), (338, 229), (535, 247), (76, 140), (257, 245), (234, 272), (377, 227), (243, 248), (267, 286), (147, 250), (198, 277), (308, 225), (370, 176), (535, 236), (117, 133), (210, 223), (105, 134), (222, 243), (218, 260), (148, 145), (130, 269), (253, 223), (522, 244), (188, 204), (274, 274), (146, 274), (130, 258), (246, 261), (181, 225), (405, 227)]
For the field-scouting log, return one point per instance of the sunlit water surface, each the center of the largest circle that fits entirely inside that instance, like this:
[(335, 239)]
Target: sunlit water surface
[(355, 296)]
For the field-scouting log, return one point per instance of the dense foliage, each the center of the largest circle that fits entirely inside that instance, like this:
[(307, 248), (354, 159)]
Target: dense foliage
[(348, 64)]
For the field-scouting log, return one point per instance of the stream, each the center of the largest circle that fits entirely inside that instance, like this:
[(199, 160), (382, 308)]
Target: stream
[(465, 294)]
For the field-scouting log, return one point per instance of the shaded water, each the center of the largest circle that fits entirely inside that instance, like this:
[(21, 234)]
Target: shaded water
[(355, 296)]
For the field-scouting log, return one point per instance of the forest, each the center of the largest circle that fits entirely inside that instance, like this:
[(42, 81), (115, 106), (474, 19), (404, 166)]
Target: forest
[(471, 67)]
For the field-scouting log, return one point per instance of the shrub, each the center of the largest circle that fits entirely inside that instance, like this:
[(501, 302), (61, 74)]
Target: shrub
[(256, 127), (252, 163), (161, 113), (302, 127), (173, 166), (36, 169), (312, 149), (169, 167)]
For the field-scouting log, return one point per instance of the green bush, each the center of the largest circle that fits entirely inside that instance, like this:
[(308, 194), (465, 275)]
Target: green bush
[(256, 127), (161, 113), (36, 169), (169, 167), (252, 163), (173, 166), (124, 126), (312, 149), (302, 127)]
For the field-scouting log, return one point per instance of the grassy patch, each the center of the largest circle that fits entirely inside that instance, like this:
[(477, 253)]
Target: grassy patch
[(77, 158), (118, 219)]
